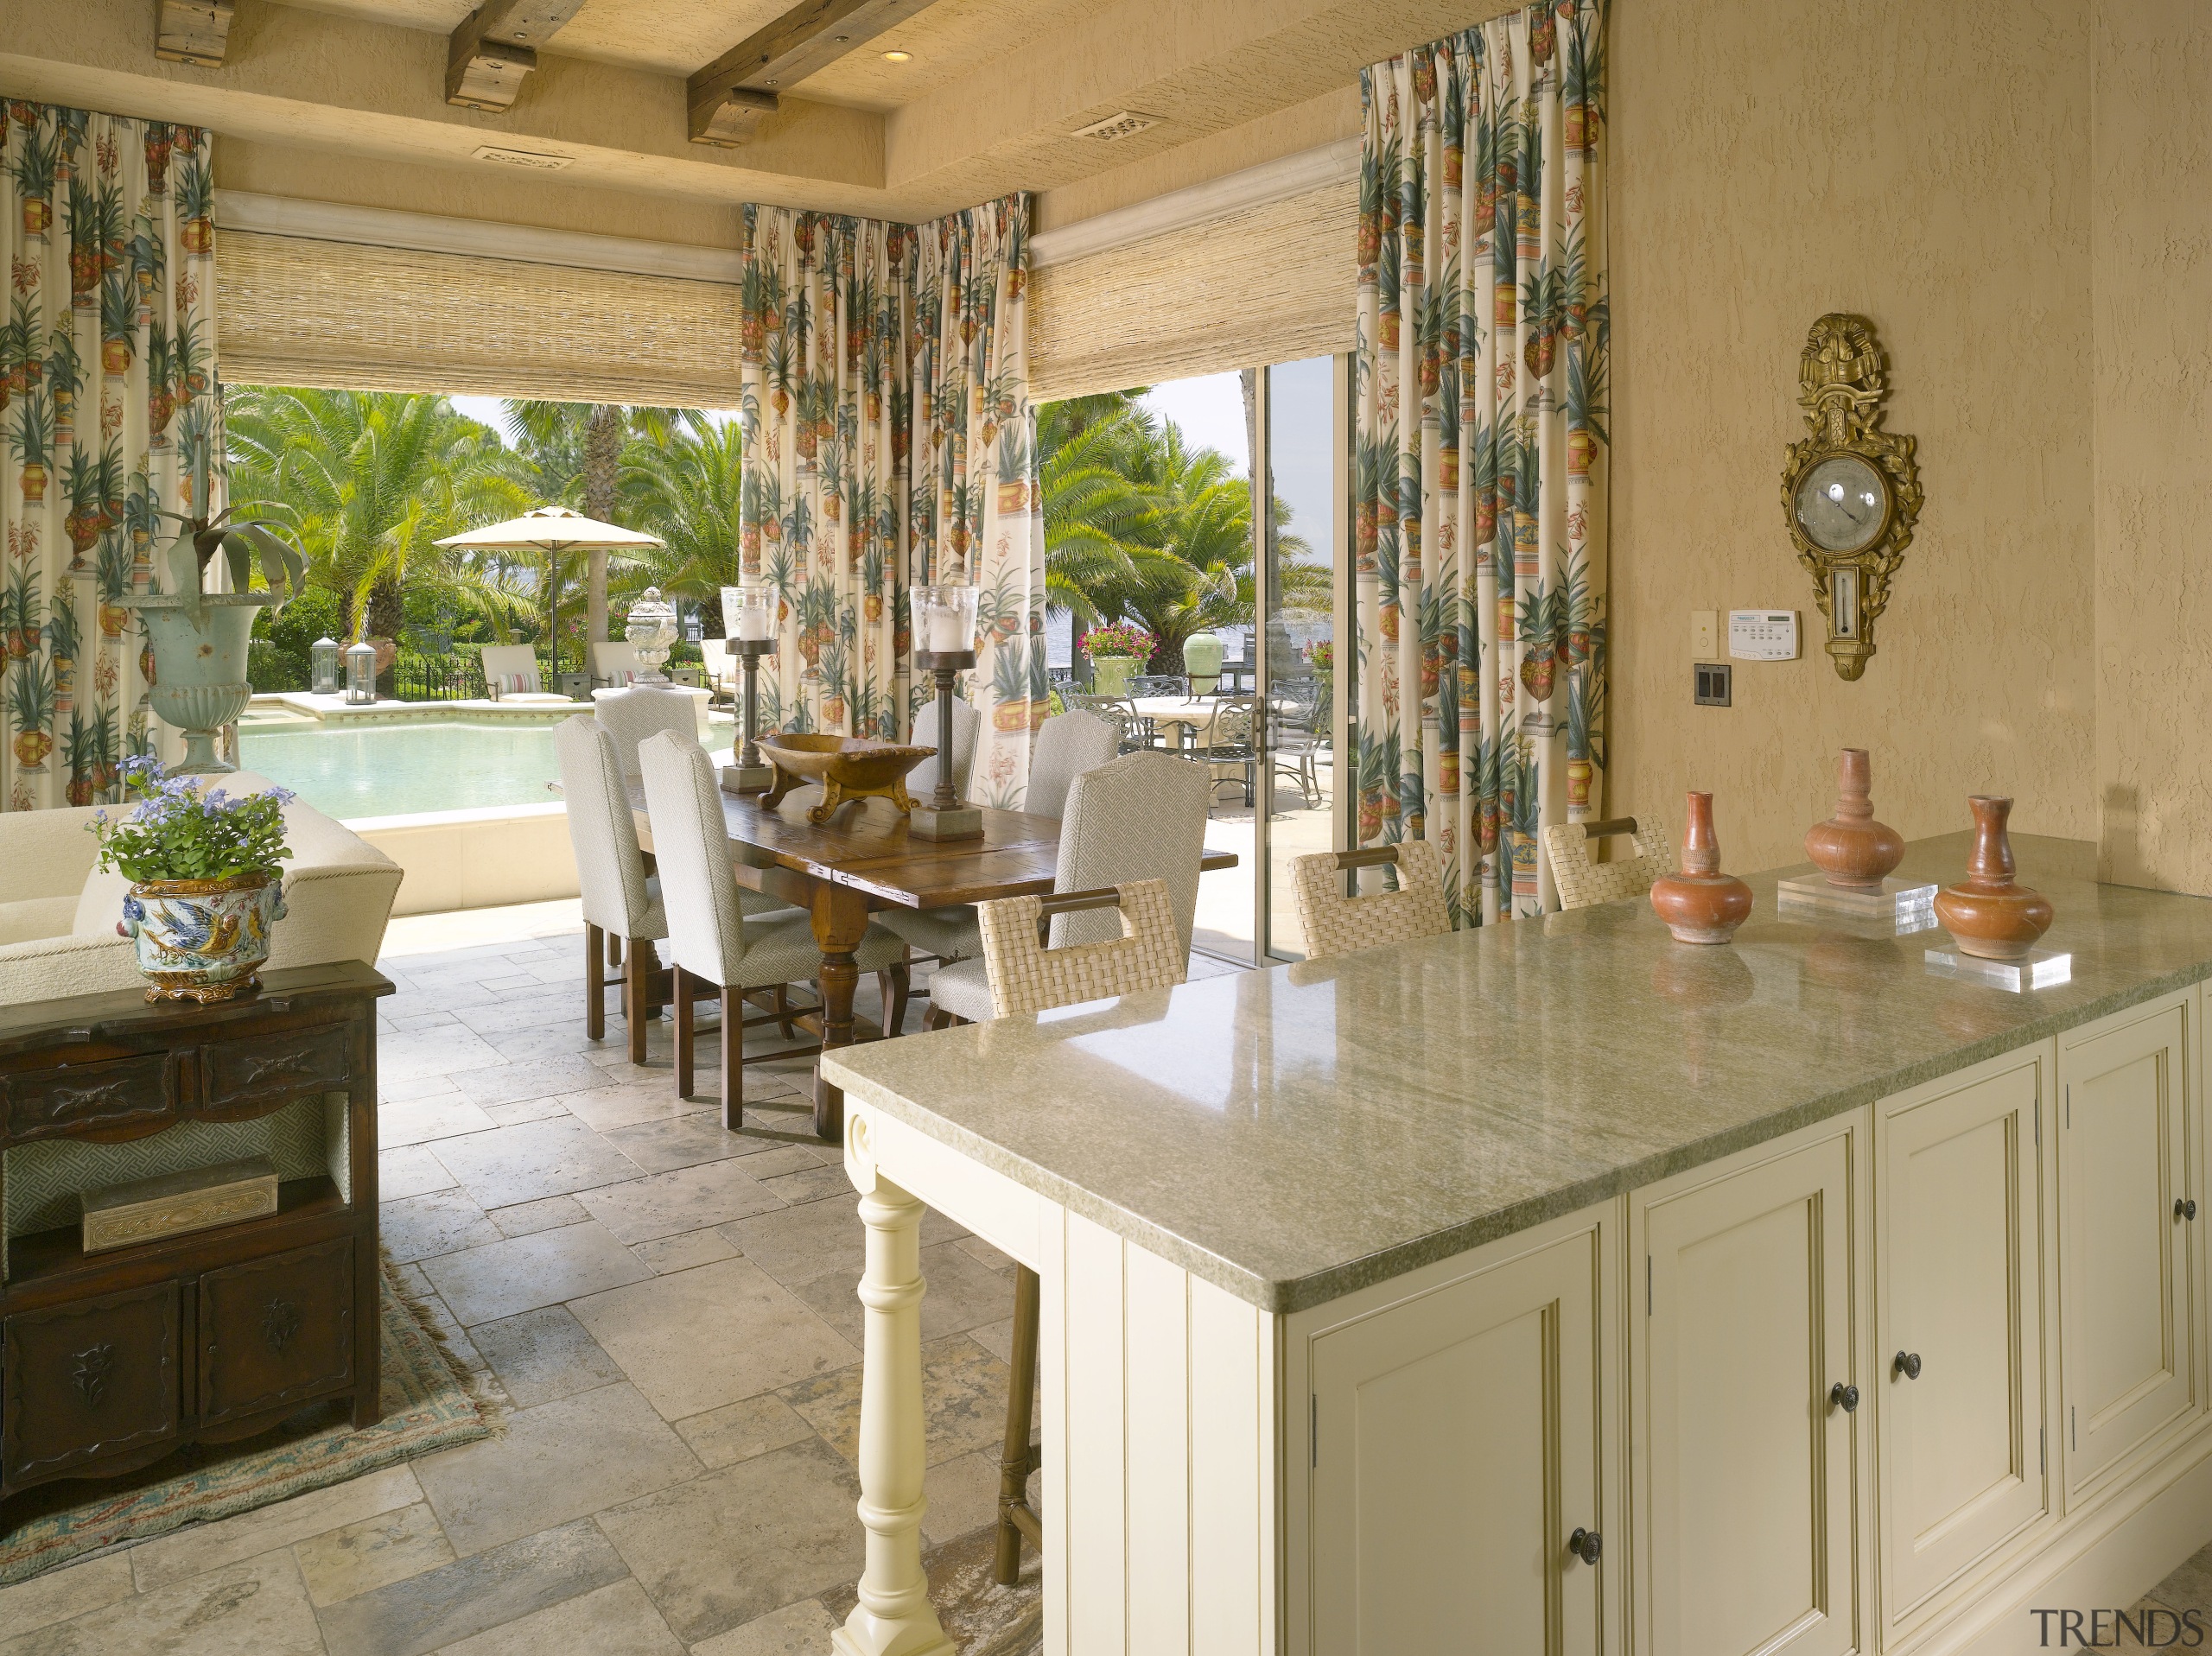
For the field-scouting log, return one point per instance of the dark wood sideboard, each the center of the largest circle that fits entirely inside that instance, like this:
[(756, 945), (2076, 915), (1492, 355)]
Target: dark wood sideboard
[(111, 1360)]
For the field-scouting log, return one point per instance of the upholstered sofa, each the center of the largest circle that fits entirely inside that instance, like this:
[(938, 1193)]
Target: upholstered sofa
[(59, 914)]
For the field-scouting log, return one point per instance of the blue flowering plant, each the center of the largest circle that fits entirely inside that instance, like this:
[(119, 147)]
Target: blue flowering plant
[(181, 832)]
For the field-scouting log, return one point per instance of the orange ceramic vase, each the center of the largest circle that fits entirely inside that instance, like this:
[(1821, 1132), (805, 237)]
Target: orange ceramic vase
[(1700, 905), (1989, 913), (1855, 851)]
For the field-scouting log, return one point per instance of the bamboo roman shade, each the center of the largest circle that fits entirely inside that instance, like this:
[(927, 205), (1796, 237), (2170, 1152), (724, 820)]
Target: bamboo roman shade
[(296, 311), (1273, 283)]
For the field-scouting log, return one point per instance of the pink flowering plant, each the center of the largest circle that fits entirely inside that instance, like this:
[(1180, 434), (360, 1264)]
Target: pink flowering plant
[(1119, 640), (1321, 656), (180, 832)]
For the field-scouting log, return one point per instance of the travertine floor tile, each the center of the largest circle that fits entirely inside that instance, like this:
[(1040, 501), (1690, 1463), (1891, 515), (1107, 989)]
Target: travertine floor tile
[(410, 1172), (559, 1461), (544, 1355), (198, 1548), (527, 1109), (963, 1495), (258, 1607), (372, 1553), (984, 1254), (685, 1198), (961, 1294), (413, 1088), (723, 1549), (437, 1222), (520, 1274), (617, 1620), (432, 1052), (739, 1431), (813, 1184), (2189, 1587), (538, 1159), (525, 1218), (444, 1116), (964, 1401), (649, 1096), (506, 1083), (698, 1339), (680, 1141), (552, 1039), (820, 1239), (77, 1589), (666, 1254), (442, 1607), (800, 1629)]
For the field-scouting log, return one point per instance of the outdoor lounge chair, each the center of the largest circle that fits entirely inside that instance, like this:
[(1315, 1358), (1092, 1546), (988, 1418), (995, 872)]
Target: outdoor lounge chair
[(614, 665), (511, 674)]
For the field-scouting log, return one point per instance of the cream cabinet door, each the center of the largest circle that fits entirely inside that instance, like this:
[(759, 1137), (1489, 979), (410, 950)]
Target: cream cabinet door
[(1454, 1456), (1744, 1454), (1958, 1360), (2123, 1305)]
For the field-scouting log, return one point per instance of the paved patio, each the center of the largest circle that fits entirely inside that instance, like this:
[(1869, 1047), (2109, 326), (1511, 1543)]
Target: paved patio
[(669, 1308)]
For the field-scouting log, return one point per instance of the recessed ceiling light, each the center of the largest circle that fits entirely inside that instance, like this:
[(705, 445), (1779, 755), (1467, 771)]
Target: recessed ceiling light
[(898, 57)]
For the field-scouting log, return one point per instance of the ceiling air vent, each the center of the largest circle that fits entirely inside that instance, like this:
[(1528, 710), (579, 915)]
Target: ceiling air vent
[(536, 160), (1114, 127)]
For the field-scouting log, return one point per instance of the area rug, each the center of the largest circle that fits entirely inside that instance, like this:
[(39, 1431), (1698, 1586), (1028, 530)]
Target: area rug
[(430, 1402)]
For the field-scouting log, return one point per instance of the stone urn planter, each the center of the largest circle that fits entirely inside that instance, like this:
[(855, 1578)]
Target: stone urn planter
[(202, 939), (1110, 674), (200, 638)]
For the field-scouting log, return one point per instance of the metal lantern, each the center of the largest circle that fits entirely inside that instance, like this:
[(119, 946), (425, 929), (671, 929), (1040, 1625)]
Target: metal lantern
[(944, 619), (652, 631), (323, 654), (361, 672)]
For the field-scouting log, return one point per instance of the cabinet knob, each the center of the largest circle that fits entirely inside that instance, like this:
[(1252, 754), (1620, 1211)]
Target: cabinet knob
[(2184, 1207), (1907, 1364), (1583, 1544), (1844, 1397)]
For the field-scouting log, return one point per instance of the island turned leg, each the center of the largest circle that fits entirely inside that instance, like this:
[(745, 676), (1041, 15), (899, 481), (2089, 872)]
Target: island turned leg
[(840, 916), (894, 1617)]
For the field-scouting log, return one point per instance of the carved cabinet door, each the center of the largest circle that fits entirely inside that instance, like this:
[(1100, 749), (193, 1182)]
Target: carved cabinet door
[(90, 1381), (276, 1330)]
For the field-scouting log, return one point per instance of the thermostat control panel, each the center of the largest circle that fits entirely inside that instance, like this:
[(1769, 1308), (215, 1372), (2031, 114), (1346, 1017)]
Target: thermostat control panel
[(1763, 635)]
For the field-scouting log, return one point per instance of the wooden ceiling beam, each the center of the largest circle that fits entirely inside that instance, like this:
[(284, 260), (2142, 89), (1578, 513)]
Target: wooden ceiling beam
[(197, 32), (493, 51), (730, 96)]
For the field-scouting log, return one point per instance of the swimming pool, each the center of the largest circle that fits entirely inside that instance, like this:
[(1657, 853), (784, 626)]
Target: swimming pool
[(404, 767)]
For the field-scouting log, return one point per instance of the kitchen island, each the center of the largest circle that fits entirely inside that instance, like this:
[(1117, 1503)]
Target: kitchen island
[(1557, 1287)]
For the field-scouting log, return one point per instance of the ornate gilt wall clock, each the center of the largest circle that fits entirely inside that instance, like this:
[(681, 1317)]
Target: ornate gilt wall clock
[(1850, 491)]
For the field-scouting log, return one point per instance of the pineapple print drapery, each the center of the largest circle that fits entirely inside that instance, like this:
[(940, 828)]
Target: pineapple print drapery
[(108, 407), (888, 445), (1484, 334)]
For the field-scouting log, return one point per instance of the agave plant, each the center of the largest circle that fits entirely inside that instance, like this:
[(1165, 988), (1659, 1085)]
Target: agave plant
[(240, 540)]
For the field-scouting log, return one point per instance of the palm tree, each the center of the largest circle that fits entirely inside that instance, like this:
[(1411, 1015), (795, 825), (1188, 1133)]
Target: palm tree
[(685, 487), (574, 454), (367, 482)]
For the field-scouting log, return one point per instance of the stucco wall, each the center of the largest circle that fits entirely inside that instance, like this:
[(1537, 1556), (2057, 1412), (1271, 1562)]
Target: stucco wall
[(2151, 230), (1926, 167)]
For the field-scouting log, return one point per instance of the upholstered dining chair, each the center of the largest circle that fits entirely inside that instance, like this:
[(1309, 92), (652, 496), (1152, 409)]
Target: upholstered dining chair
[(967, 722), (622, 900), (1068, 743), (1142, 817), (1336, 924), (1025, 975), (1581, 883), (632, 715), (710, 940)]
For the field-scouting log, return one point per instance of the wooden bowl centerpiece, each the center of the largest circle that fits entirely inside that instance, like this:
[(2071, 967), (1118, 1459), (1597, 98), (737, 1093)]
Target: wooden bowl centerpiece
[(848, 768)]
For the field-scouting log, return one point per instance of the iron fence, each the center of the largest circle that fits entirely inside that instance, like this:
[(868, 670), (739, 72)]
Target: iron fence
[(437, 678)]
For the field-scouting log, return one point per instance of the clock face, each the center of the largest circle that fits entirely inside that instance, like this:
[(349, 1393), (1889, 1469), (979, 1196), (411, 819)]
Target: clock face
[(1842, 504)]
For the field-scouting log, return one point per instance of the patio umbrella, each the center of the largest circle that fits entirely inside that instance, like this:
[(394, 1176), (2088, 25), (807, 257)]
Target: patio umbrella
[(555, 530)]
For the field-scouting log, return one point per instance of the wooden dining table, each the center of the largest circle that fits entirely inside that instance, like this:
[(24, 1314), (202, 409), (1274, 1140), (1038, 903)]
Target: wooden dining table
[(862, 860)]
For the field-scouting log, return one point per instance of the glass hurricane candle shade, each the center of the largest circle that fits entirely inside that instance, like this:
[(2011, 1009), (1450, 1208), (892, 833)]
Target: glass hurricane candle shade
[(651, 633), (323, 654), (749, 613), (944, 619), (361, 671)]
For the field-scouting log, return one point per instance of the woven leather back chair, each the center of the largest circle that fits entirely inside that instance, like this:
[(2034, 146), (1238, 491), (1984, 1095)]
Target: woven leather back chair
[(1336, 924), (1026, 976), (1582, 883)]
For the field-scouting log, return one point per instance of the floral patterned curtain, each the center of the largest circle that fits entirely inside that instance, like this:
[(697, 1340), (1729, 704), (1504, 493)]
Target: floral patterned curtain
[(887, 444), (109, 408), (1484, 330)]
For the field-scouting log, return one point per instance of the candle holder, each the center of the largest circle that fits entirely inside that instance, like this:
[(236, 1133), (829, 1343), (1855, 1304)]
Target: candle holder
[(749, 621), (945, 816)]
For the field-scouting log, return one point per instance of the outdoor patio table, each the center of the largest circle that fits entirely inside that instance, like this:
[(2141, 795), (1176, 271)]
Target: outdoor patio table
[(861, 859)]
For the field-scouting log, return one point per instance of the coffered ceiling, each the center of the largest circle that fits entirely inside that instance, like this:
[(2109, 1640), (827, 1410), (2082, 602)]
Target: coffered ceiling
[(986, 99)]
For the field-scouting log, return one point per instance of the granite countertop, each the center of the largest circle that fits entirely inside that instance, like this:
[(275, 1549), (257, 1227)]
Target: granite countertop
[(1294, 1134)]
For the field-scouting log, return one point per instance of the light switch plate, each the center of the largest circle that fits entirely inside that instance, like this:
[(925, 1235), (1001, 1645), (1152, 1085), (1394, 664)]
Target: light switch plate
[(1763, 635), (1705, 634), (1711, 684)]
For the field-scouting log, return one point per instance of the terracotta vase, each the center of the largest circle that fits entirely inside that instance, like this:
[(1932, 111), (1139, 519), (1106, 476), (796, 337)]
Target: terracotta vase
[(1853, 850), (1700, 905), (1989, 913)]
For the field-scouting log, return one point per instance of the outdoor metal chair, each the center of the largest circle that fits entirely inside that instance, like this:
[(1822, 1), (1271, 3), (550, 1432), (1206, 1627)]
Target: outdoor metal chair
[(1228, 745), (1296, 743)]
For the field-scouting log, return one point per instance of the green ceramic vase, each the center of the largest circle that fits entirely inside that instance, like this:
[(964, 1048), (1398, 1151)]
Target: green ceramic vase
[(199, 682)]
